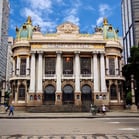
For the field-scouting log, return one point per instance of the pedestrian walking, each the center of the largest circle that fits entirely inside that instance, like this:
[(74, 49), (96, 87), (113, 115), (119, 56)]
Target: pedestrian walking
[(103, 109), (11, 110)]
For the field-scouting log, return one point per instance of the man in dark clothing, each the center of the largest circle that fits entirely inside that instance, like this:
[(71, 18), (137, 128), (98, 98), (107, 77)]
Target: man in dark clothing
[(11, 110)]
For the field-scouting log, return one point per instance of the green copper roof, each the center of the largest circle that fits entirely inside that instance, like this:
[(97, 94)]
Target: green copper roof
[(25, 32)]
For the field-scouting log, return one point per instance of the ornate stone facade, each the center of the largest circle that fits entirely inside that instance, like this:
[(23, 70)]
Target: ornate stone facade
[(67, 67)]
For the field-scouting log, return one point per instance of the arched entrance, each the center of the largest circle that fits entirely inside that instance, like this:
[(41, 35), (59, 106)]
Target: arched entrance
[(113, 92), (49, 94), (68, 95), (21, 93), (86, 96)]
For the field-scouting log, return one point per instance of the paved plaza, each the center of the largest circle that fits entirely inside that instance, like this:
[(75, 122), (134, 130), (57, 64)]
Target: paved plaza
[(111, 114)]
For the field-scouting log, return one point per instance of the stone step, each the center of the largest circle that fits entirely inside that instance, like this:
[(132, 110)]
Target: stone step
[(55, 108)]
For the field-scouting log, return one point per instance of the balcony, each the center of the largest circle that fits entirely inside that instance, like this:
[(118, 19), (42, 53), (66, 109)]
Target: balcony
[(86, 76), (68, 76), (49, 76)]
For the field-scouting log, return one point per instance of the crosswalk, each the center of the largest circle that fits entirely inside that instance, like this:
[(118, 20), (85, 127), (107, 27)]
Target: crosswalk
[(88, 136)]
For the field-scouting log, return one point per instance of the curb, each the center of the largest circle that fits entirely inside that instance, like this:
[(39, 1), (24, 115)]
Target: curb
[(63, 117)]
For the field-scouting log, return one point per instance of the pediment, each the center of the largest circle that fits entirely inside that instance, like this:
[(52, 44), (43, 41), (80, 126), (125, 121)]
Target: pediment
[(68, 27)]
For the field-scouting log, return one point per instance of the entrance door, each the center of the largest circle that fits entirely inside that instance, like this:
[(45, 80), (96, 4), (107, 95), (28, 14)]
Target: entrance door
[(68, 95), (49, 95), (86, 97)]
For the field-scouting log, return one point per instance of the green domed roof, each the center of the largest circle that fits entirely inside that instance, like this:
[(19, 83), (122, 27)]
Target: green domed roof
[(25, 32), (108, 31)]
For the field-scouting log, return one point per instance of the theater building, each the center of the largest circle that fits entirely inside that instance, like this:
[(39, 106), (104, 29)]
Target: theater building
[(66, 68)]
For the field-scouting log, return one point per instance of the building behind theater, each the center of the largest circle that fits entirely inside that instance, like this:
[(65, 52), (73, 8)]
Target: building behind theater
[(66, 69)]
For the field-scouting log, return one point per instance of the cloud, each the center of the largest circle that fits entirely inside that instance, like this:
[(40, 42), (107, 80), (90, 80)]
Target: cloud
[(71, 14), (38, 20), (104, 11), (40, 4), (73, 19), (99, 21), (89, 8)]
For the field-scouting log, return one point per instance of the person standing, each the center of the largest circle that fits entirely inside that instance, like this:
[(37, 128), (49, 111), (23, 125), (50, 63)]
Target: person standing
[(103, 109), (11, 110)]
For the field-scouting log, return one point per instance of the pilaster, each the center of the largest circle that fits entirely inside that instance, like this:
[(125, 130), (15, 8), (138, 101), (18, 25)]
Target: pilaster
[(96, 76), (39, 74), (102, 73), (32, 75), (58, 71)]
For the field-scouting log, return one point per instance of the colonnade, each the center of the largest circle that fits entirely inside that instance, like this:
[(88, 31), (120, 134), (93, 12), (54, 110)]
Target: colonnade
[(99, 75), (36, 75)]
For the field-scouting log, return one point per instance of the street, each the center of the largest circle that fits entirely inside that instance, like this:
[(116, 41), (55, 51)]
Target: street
[(86, 128)]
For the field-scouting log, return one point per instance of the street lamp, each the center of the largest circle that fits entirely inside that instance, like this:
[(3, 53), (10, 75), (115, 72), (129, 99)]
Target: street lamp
[(133, 106)]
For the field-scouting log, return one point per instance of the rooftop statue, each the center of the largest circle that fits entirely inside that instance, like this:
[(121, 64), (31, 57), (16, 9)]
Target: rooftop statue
[(29, 21)]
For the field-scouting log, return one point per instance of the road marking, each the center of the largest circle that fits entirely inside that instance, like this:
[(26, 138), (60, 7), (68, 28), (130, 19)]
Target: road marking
[(129, 129), (114, 122)]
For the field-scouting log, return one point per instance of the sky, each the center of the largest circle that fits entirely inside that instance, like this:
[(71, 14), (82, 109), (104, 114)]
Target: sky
[(49, 14)]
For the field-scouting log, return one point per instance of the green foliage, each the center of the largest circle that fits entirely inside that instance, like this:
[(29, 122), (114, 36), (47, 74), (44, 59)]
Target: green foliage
[(7, 97), (132, 68), (129, 98), (134, 59)]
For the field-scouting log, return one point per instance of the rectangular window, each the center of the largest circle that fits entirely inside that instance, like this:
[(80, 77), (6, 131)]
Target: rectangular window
[(85, 65), (50, 63), (67, 65), (111, 66), (23, 66)]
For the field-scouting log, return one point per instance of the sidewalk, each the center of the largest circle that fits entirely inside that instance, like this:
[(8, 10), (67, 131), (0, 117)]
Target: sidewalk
[(111, 114)]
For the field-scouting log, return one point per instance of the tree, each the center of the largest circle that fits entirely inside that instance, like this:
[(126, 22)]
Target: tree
[(129, 98), (132, 68)]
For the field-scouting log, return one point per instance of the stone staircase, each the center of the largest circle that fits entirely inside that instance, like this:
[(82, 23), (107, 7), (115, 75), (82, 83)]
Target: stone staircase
[(55, 108)]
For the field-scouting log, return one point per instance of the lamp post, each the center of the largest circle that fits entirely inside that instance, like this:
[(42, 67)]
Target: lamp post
[(133, 106)]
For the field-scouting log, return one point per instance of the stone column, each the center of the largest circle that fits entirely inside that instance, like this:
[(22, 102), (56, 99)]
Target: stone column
[(27, 67), (39, 75), (18, 66), (116, 66), (32, 74), (16, 92), (77, 95), (102, 73), (14, 68), (133, 106), (77, 72), (58, 79), (107, 65), (96, 76)]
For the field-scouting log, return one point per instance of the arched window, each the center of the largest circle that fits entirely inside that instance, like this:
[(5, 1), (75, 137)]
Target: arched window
[(68, 95), (49, 93), (21, 93), (86, 93), (113, 93)]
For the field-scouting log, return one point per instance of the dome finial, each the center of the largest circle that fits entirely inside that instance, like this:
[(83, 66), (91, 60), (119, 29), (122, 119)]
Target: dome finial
[(29, 21), (105, 21)]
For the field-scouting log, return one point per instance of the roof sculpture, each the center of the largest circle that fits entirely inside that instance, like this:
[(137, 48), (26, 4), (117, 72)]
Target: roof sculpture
[(108, 31), (26, 30)]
